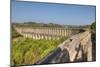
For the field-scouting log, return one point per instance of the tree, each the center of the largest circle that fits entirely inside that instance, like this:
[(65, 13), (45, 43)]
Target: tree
[(93, 26)]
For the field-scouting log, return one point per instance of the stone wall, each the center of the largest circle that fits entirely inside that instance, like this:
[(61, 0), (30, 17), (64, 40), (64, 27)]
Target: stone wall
[(77, 48)]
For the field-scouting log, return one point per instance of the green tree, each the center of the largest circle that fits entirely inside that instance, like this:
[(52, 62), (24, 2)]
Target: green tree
[(93, 26)]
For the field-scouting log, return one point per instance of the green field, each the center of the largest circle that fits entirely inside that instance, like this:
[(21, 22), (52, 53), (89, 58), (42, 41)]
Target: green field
[(28, 51)]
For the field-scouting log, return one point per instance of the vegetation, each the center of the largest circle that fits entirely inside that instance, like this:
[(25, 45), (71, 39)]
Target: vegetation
[(34, 24), (28, 51), (93, 26), (15, 33)]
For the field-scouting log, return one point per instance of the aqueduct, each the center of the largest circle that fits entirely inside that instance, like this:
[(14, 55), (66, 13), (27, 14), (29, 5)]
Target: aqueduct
[(46, 32)]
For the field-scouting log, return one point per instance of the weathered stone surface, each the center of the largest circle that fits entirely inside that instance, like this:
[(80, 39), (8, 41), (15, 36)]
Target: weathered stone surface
[(78, 45), (76, 48)]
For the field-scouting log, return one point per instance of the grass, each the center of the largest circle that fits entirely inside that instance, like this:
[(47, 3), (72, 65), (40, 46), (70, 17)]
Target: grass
[(28, 51)]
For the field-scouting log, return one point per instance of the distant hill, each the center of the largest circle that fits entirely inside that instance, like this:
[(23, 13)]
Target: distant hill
[(35, 24)]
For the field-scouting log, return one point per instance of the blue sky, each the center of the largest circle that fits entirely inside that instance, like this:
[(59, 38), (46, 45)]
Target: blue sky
[(52, 13)]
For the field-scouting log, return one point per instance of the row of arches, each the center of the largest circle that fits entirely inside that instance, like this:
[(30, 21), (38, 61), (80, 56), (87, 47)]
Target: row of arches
[(45, 32)]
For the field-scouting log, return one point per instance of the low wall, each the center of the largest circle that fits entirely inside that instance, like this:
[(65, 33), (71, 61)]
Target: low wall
[(76, 48)]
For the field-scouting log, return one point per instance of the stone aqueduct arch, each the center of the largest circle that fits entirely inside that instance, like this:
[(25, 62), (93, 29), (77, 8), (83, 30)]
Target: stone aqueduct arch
[(45, 32)]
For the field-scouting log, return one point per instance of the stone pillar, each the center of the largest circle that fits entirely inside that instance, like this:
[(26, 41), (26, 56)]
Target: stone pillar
[(41, 36), (55, 31), (68, 33), (60, 31), (36, 36), (33, 36), (52, 31), (41, 30), (65, 33)]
